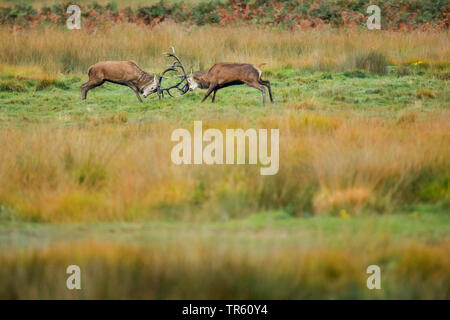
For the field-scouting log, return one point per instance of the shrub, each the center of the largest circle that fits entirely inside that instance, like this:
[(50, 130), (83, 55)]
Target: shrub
[(204, 13), (157, 10), (112, 6), (178, 13), (56, 8), (22, 11), (96, 6)]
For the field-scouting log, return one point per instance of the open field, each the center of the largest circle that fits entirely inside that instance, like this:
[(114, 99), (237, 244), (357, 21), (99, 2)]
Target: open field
[(364, 174)]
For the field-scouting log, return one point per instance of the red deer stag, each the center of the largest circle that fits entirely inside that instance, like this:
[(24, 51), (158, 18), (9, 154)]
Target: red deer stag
[(223, 74), (125, 73)]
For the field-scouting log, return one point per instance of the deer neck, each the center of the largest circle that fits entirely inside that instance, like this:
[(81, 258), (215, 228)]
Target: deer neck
[(201, 80), (144, 80)]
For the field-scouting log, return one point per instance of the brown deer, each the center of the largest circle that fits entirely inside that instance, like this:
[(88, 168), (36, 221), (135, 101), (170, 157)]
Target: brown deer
[(224, 74), (125, 73)]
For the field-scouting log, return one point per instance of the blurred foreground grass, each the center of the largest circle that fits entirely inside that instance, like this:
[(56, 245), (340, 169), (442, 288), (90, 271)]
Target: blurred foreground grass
[(266, 256)]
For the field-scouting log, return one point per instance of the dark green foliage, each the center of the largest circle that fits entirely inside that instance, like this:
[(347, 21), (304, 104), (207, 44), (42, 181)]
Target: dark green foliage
[(355, 74), (285, 13), (205, 13), (157, 10), (112, 6), (19, 14), (178, 13), (56, 8), (96, 6)]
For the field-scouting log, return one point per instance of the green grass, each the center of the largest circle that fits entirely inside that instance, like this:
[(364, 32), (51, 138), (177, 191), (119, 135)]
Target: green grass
[(59, 101), (262, 230)]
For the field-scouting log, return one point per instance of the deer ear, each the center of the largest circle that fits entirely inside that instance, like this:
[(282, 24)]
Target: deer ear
[(191, 71)]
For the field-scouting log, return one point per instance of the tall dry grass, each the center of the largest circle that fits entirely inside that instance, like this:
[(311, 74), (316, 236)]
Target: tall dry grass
[(59, 50), (106, 172)]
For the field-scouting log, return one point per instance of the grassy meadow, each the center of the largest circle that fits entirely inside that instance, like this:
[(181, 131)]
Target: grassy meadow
[(364, 174)]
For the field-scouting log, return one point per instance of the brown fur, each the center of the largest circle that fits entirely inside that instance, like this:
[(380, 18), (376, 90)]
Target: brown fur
[(224, 74), (125, 73)]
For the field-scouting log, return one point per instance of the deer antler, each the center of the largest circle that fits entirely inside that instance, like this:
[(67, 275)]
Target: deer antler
[(175, 65)]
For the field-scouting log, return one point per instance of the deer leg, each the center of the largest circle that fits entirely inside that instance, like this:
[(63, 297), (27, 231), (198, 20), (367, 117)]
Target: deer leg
[(83, 92), (91, 84), (260, 87), (214, 95), (135, 89), (210, 89), (263, 90), (267, 84)]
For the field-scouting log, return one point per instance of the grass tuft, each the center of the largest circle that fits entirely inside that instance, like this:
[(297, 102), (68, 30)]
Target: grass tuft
[(372, 62)]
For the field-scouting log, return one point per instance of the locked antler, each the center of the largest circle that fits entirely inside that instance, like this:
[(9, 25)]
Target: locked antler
[(174, 67)]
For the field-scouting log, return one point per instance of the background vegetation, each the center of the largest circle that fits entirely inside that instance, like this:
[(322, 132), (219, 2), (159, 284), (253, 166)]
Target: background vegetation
[(397, 14), (364, 163)]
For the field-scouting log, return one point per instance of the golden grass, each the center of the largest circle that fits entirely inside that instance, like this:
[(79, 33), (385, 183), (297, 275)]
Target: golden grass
[(57, 50), (112, 170)]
